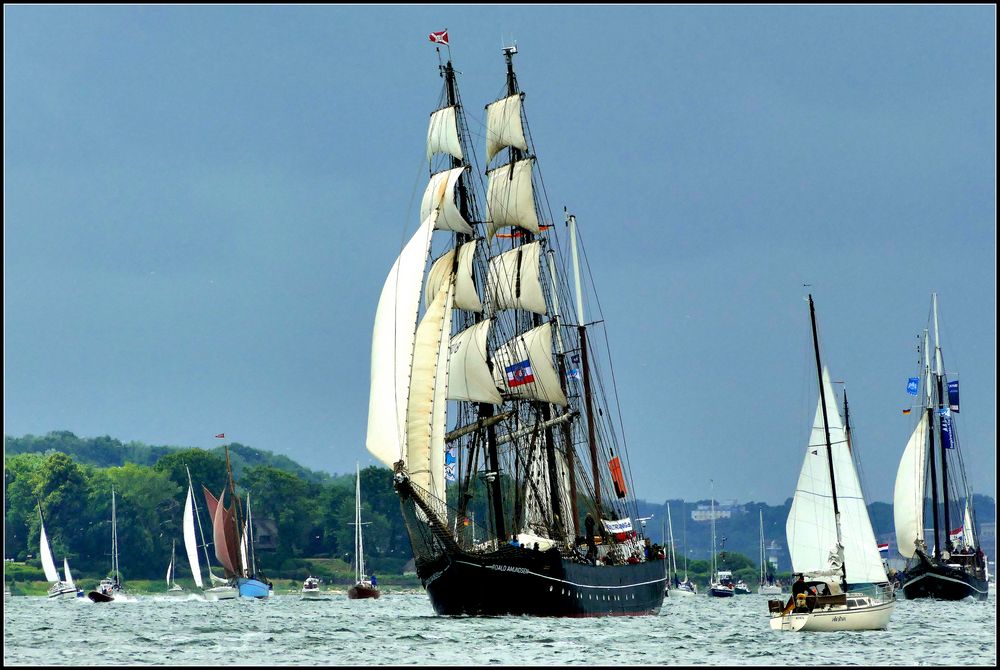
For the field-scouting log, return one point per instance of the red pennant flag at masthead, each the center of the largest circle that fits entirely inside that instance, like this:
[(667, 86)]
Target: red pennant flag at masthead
[(221, 435), (439, 37)]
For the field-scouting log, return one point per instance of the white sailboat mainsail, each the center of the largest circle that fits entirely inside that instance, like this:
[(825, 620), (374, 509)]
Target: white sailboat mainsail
[(45, 553), (190, 541), (811, 527), (393, 339), (908, 492)]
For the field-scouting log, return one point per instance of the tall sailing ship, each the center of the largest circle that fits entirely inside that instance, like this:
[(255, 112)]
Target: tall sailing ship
[(484, 375), (955, 567)]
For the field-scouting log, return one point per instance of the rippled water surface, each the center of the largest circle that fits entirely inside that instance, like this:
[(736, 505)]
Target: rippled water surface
[(403, 629)]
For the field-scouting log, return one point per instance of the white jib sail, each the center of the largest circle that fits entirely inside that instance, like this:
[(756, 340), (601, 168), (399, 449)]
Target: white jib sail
[(421, 417), (968, 531), (48, 565), (811, 526), (469, 376), (170, 570), (503, 126), (442, 134), (514, 280), (392, 348), (439, 196), (908, 493), (511, 198), (66, 572), (190, 543), (523, 366)]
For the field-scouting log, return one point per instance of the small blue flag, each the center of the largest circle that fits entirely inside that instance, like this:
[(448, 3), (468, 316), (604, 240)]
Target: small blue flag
[(912, 385), (573, 374), (450, 465), (953, 395)]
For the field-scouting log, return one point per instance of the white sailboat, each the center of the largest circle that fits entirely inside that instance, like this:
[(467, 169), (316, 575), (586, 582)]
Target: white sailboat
[(678, 588), (767, 586), (220, 589), (173, 586), (720, 583), (829, 533), (60, 588)]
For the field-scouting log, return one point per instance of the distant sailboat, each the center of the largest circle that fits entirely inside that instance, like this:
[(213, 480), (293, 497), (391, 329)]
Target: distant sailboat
[(767, 586), (364, 586), (220, 589), (720, 584), (958, 569), (110, 587), (829, 532), (678, 588), (172, 585), (234, 545), (60, 588)]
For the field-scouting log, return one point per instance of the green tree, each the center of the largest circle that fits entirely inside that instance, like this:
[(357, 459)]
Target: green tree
[(206, 468)]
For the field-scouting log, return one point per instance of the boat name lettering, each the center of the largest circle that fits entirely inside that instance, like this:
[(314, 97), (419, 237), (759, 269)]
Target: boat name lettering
[(509, 568)]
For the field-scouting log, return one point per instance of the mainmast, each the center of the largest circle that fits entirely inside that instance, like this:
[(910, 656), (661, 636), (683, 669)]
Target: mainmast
[(826, 431), (939, 374), (929, 400)]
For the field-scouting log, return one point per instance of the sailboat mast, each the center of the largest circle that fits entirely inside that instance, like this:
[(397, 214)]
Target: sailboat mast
[(929, 400), (847, 424), (826, 430), (237, 505), (939, 364), (585, 365), (712, 514), (114, 538), (358, 557), (763, 576)]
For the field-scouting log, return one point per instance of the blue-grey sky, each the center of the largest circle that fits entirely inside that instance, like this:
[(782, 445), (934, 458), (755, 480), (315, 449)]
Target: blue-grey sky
[(201, 205)]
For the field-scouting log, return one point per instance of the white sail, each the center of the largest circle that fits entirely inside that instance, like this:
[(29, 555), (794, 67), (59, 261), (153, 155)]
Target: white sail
[(442, 134), (511, 198), (969, 532), (811, 527), (69, 577), (190, 542), (514, 280), (392, 348), (466, 295), (908, 493), (469, 376), (523, 367), (170, 570), (45, 553), (439, 196), (503, 126), (422, 417)]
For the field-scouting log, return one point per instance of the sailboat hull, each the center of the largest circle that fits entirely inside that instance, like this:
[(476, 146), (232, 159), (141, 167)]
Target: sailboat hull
[(943, 583), (360, 591), (221, 593), (61, 590), (875, 617), (520, 582), (252, 588)]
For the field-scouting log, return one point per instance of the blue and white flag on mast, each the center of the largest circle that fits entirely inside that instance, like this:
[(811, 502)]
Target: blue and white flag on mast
[(946, 440), (912, 385), (953, 395), (451, 464)]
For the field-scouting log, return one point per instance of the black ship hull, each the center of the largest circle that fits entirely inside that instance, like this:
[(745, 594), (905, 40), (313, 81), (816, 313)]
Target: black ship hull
[(522, 582), (928, 580)]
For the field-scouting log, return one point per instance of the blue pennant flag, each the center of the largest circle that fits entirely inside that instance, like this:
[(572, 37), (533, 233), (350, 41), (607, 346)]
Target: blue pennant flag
[(946, 440), (953, 395), (912, 385), (450, 465)]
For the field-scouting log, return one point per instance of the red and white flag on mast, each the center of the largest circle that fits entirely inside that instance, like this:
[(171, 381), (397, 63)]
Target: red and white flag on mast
[(221, 435), (439, 37)]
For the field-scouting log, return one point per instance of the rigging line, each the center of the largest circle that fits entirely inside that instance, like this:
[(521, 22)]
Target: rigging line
[(600, 311)]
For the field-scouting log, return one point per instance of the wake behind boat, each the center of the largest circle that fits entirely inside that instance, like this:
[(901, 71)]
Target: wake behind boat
[(530, 424), (829, 533)]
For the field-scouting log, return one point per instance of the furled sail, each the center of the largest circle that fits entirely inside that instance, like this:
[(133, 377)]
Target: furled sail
[(442, 134), (422, 416), (523, 367), (392, 348), (511, 198), (469, 375), (503, 126), (908, 493), (811, 527), (439, 196), (48, 565), (190, 542), (514, 280)]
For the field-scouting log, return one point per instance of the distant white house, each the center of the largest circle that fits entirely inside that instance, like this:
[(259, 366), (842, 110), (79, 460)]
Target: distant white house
[(723, 510)]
